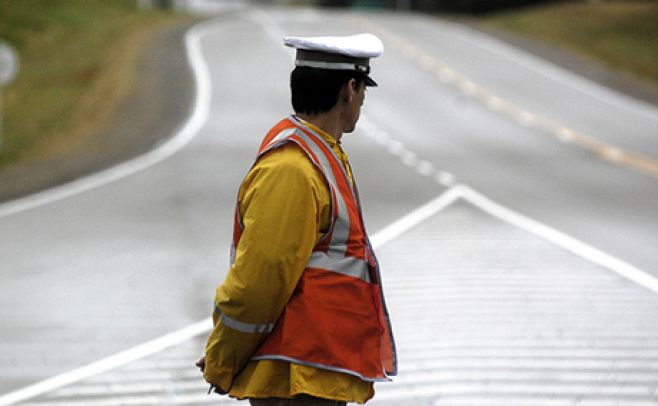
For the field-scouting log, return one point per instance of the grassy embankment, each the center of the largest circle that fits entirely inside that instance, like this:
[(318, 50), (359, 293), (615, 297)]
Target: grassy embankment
[(620, 34), (78, 61)]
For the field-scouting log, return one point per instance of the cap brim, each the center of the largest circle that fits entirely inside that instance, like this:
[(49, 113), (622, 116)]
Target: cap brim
[(370, 82)]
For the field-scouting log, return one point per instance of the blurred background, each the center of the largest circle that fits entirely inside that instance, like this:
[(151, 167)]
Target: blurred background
[(78, 59), (126, 127)]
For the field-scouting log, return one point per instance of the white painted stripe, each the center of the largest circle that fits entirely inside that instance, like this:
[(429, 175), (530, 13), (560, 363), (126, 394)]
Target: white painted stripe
[(136, 375), (602, 377), (536, 352), (605, 151), (555, 72), (166, 399), (480, 400), (495, 389), (416, 217), (205, 325), (631, 343), (106, 364), (133, 388), (561, 239), (638, 337), (181, 138), (384, 236), (551, 365)]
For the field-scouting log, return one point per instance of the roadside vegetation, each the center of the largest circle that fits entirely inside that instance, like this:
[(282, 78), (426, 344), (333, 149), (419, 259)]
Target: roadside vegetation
[(78, 60), (620, 34)]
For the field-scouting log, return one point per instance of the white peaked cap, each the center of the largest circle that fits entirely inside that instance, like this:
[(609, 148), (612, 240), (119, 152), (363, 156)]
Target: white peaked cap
[(356, 46), (337, 53)]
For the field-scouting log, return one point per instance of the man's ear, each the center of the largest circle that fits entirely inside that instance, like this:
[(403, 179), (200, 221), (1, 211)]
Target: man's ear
[(347, 91)]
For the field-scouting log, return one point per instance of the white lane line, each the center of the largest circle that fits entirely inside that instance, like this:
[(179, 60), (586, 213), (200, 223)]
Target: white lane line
[(416, 217), (167, 399), (108, 363), (560, 239), (381, 238), (406, 156), (133, 388), (629, 159), (602, 377), (446, 179), (555, 72), (204, 326), (498, 389), (425, 168), (181, 138), (563, 240)]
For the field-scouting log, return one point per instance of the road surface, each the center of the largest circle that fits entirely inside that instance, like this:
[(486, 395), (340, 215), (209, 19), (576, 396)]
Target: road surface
[(534, 270)]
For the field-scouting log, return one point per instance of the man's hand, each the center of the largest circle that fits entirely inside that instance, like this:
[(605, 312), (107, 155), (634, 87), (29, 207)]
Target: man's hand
[(201, 363), (213, 388)]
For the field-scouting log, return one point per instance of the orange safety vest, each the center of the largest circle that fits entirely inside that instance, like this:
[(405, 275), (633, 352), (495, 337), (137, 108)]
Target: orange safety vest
[(336, 318)]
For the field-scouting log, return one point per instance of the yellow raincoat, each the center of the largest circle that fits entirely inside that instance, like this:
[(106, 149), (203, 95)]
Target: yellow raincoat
[(286, 209)]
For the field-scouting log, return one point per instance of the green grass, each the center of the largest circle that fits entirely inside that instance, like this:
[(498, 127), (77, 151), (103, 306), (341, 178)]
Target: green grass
[(78, 59), (620, 34)]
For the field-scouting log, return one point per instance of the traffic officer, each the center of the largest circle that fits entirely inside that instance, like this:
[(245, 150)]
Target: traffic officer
[(301, 317)]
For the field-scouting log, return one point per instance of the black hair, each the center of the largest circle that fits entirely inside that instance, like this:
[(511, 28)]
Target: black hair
[(316, 90)]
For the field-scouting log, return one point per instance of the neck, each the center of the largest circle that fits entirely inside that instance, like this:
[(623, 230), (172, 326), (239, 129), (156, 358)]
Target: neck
[(327, 121)]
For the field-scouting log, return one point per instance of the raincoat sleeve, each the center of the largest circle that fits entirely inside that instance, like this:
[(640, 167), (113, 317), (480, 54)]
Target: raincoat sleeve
[(282, 202)]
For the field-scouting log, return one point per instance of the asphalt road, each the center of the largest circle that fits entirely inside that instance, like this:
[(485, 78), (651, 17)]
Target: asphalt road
[(94, 273)]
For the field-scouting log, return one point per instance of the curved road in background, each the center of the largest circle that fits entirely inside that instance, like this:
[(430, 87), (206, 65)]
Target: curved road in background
[(94, 273)]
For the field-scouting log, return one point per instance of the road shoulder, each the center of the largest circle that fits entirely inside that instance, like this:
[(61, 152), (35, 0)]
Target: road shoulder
[(619, 81), (149, 116)]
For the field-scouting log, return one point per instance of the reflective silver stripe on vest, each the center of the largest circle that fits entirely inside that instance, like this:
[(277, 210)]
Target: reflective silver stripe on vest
[(350, 266), (341, 231), (341, 227), (278, 138), (232, 254), (340, 165), (241, 326)]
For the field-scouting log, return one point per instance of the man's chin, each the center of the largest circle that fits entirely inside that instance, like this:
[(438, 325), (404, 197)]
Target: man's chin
[(349, 130)]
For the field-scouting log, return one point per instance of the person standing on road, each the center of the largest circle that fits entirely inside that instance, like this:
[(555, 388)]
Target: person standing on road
[(301, 317)]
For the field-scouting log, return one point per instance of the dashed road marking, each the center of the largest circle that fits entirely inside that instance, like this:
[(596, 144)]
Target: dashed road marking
[(407, 157), (447, 75), (432, 371)]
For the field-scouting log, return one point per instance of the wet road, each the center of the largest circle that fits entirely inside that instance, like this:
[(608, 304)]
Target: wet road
[(103, 270)]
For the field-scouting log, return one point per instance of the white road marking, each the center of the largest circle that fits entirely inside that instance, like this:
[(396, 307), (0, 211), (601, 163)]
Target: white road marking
[(416, 217), (179, 140), (514, 389), (425, 168), (204, 326), (556, 73), (381, 238), (445, 178), (636, 161), (386, 235), (579, 248), (108, 363), (561, 239), (406, 156), (565, 135)]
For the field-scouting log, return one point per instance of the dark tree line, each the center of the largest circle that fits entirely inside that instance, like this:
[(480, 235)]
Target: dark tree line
[(459, 6)]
